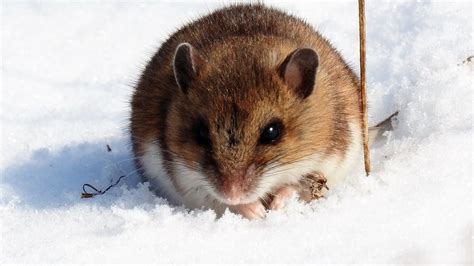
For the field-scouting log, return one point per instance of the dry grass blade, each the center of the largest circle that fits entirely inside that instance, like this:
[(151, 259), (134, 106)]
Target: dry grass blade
[(363, 93)]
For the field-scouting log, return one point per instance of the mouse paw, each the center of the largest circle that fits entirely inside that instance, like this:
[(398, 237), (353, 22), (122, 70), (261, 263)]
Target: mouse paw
[(280, 197), (251, 211)]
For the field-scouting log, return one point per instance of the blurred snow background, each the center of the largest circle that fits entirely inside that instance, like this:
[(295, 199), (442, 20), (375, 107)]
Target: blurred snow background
[(67, 75)]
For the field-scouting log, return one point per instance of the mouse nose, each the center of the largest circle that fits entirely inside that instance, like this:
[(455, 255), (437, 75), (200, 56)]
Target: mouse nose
[(234, 184), (233, 195)]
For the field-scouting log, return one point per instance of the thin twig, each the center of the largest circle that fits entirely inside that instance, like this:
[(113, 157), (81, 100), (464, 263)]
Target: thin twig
[(86, 194)]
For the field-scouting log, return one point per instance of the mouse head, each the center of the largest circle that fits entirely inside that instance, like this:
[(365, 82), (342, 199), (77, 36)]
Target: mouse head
[(237, 128)]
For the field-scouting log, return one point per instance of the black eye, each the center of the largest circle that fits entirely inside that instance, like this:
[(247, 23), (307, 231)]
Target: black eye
[(201, 132), (271, 133)]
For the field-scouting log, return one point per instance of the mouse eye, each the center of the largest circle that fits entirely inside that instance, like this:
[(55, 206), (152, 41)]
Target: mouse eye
[(201, 132), (271, 133)]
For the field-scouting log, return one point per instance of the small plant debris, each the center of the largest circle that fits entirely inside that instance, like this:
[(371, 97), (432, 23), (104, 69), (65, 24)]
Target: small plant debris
[(316, 182), (85, 194), (468, 60)]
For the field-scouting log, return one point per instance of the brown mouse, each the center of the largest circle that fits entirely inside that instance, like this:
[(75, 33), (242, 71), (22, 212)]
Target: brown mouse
[(238, 106)]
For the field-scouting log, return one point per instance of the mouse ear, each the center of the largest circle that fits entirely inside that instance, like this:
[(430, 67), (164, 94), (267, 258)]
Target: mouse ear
[(185, 65), (299, 71)]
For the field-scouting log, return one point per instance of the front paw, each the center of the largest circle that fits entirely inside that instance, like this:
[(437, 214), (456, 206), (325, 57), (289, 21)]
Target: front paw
[(251, 211), (311, 187), (281, 196)]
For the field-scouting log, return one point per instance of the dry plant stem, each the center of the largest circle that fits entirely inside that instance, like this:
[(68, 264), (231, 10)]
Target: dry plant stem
[(363, 93)]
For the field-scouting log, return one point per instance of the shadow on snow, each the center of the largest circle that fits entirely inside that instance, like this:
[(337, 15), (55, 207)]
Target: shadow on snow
[(54, 179)]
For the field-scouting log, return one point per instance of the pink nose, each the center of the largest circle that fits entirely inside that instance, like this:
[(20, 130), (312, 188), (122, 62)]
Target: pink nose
[(233, 195), (234, 183)]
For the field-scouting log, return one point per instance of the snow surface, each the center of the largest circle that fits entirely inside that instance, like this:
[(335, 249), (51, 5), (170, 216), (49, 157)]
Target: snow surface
[(67, 75)]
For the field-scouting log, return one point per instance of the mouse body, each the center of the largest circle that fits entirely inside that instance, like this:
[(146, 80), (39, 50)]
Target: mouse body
[(238, 106)]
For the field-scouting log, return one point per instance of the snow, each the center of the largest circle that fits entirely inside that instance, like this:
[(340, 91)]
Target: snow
[(67, 76)]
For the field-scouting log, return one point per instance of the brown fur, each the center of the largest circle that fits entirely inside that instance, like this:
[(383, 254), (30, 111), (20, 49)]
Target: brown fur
[(238, 91)]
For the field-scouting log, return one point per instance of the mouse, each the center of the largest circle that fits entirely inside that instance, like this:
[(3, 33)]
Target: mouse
[(238, 106)]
